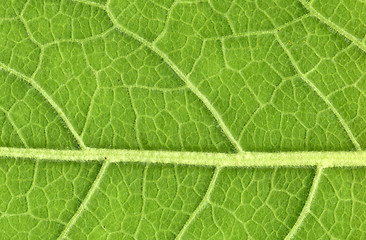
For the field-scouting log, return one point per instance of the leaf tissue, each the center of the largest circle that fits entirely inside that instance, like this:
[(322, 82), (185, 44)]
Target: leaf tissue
[(182, 119)]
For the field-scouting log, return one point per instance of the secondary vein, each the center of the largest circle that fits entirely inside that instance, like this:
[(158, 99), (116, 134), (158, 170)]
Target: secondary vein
[(48, 98), (202, 204), (305, 211), (85, 202), (320, 94), (184, 78), (334, 26)]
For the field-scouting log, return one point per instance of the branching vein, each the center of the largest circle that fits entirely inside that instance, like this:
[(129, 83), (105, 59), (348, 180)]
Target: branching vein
[(57, 108), (305, 211), (321, 95)]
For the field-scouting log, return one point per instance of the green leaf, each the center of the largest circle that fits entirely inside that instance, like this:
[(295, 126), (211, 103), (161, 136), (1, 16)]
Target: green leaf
[(162, 119)]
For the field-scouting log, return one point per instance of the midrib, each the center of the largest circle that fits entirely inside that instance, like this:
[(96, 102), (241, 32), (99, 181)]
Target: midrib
[(242, 159)]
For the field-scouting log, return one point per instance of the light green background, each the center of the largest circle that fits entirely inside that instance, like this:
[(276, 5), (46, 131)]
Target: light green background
[(201, 76)]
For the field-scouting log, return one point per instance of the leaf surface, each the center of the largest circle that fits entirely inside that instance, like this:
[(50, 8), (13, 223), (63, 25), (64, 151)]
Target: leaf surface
[(182, 119)]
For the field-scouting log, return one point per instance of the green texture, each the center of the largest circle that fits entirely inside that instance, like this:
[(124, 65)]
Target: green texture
[(163, 119)]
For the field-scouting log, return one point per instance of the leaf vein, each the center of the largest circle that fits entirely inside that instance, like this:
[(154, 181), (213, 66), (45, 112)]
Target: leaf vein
[(48, 98), (175, 68), (334, 26), (85, 202), (306, 209), (202, 204), (242, 159), (17, 130), (321, 95)]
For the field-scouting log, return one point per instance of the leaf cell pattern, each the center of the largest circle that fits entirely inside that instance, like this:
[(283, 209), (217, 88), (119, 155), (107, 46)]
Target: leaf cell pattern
[(203, 76)]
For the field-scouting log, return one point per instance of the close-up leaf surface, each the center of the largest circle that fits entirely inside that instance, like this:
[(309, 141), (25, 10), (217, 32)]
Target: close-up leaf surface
[(182, 119)]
